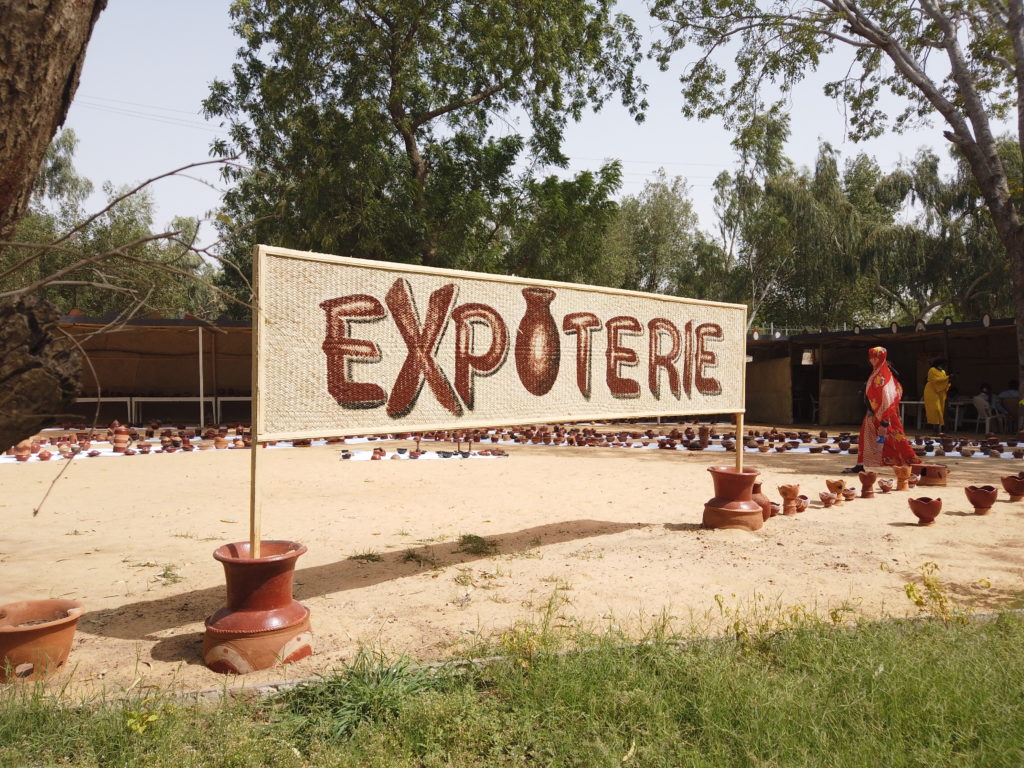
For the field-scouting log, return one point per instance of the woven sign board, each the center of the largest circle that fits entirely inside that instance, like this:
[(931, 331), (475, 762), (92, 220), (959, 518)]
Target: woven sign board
[(349, 346)]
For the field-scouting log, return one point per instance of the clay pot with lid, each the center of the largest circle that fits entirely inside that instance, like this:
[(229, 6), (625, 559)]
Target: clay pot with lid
[(36, 637), (262, 625), (1014, 485), (981, 497), (867, 484), (925, 509), (732, 505)]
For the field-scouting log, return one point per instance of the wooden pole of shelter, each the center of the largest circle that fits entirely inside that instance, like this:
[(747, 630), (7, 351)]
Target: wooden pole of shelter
[(202, 389)]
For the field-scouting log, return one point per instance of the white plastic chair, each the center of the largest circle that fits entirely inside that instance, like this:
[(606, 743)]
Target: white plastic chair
[(987, 415)]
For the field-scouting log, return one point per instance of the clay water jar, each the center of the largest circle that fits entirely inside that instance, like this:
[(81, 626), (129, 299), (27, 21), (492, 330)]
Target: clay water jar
[(789, 494), (261, 625), (36, 637), (761, 499), (925, 509), (981, 497), (732, 506), (1014, 485), (867, 484)]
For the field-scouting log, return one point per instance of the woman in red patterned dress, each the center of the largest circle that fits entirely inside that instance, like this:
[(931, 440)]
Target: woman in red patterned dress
[(882, 440)]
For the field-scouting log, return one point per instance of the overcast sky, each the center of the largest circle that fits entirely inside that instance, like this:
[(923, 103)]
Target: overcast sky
[(149, 65)]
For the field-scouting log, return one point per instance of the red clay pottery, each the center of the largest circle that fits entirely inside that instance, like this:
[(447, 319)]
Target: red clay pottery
[(827, 499), (902, 477), (121, 438), (760, 498), (930, 474), (981, 497), (867, 484), (1014, 485), (837, 487), (23, 450), (35, 637), (849, 494), (802, 502), (45, 455), (262, 625), (732, 505), (538, 342), (925, 509), (885, 485), (789, 494)]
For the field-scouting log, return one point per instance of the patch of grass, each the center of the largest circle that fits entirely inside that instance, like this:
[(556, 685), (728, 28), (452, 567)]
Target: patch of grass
[(783, 688), (369, 556), (424, 557), (471, 544), (169, 574)]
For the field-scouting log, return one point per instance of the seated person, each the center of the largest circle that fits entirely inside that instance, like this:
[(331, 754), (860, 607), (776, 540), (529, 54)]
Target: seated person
[(1012, 390)]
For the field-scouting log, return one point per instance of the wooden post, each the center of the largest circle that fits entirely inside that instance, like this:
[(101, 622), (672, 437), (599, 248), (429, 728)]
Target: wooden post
[(739, 442), (255, 498), (202, 404)]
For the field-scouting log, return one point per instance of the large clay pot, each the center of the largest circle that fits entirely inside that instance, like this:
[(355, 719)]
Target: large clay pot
[(925, 509), (981, 497), (867, 484), (36, 637), (1014, 485), (538, 342), (733, 505), (930, 474), (760, 498), (262, 625)]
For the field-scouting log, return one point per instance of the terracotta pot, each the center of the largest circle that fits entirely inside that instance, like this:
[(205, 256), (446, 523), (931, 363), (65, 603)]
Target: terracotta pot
[(789, 494), (981, 497), (885, 485), (925, 509), (867, 484), (802, 502), (902, 478), (262, 625), (827, 499), (732, 505), (120, 439), (36, 637), (45, 455), (1014, 485), (23, 450), (837, 487), (759, 497), (930, 474), (849, 494)]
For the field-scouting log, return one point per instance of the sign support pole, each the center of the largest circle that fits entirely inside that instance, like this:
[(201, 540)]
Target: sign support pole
[(739, 442), (255, 498)]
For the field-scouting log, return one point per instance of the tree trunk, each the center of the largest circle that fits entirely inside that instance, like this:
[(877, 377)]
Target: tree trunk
[(40, 369), (42, 49)]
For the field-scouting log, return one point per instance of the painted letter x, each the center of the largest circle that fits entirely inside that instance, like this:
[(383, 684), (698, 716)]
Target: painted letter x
[(420, 365)]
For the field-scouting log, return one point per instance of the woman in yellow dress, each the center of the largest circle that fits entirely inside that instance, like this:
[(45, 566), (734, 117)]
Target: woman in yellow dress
[(935, 393)]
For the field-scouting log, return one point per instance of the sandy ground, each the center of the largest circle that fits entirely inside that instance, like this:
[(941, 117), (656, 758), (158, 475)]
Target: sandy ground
[(612, 535)]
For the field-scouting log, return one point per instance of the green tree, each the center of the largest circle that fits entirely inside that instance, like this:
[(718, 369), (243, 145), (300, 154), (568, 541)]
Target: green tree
[(370, 128), (110, 264), (740, 46), (657, 246)]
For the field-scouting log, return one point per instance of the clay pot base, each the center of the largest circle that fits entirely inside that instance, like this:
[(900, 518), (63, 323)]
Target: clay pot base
[(736, 519), (238, 653)]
